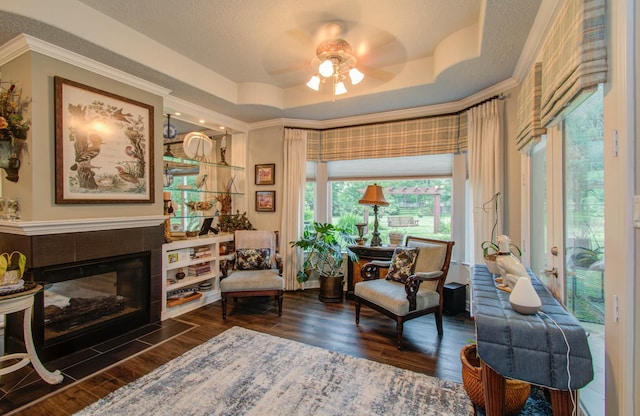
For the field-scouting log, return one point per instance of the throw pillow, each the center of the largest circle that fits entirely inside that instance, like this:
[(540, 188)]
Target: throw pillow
[(402, 264), (253, 258)]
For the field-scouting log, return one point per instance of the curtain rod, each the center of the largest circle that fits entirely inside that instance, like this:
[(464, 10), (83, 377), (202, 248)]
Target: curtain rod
[(454, 113)]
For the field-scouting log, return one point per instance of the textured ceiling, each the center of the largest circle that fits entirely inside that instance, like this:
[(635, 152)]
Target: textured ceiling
[(250, 59)]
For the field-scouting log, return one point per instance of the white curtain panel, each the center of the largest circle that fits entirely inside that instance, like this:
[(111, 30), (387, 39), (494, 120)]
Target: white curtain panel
[(486, 171), (295, 168)]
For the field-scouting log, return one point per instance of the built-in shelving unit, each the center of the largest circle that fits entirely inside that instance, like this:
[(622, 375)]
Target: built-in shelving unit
[(196, 188), (199, 259)]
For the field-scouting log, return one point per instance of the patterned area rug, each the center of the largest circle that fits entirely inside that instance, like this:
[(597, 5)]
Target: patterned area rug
[(243, 372)]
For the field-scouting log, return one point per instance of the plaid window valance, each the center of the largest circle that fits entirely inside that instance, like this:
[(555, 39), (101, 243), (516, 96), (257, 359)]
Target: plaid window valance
[(423, 136), (574, 55), (528, 115)]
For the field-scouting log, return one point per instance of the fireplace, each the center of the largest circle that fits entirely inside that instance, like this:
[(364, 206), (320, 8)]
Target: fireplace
[(86, 303), (97, 285)]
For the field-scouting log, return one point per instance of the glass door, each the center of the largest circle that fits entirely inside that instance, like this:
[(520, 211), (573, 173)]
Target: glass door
[(583, 209), (567, 226)]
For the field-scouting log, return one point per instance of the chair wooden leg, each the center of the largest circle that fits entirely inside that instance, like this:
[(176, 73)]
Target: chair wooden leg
[(438, 316), (399, 329), (279, 300), (358, 312), (224, 306)]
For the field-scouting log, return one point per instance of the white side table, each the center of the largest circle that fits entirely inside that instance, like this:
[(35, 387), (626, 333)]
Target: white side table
[(15, 303)]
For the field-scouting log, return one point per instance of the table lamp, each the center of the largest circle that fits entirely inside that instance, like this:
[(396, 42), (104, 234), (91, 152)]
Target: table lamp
[(373, 196)]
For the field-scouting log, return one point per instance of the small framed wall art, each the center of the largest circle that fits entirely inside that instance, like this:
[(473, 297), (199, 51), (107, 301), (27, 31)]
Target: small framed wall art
[(266, 174), (266, 201)]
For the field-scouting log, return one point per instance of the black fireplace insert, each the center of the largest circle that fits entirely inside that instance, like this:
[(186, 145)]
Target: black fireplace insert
[(85, 303)]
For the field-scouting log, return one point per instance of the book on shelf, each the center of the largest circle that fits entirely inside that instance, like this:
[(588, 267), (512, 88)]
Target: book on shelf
[(199, 269), (201, 251)]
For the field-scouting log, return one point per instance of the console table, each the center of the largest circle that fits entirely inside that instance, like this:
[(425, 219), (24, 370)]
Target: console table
[(23, 301), (365, 255), (527, 347)]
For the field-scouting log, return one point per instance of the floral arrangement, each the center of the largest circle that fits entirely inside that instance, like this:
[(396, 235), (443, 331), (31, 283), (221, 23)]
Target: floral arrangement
[(12, 123)]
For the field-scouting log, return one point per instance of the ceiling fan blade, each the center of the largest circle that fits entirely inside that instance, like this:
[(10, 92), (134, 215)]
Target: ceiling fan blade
[(376, 73)]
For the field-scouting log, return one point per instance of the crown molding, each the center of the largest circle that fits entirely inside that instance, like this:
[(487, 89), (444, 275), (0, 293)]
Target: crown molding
[(24, 43), (30, 228), (192, 113), (409, 113)]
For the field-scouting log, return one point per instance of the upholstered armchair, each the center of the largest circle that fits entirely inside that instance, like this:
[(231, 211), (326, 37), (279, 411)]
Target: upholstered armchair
[(413, 285), (255, 272)]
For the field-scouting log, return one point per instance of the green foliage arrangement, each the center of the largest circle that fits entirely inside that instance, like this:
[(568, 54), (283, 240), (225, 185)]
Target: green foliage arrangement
[(323, 244)]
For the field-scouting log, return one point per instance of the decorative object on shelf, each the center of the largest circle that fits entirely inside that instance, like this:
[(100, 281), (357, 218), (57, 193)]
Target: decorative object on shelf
[(169, 131), (13, 129), (508, 265), (322, 245), (335, 61), (197, 146), (490, 248), (223, 148), (225, 203), (225, 198), (13, 209), (199, 205), (167, 177), (201, 180), (265, 201), (524, 298), (112, 164), (361, 227), (516, 391), (180, 274), (168, 205), (233, 222), (373, 196), (266, 174)]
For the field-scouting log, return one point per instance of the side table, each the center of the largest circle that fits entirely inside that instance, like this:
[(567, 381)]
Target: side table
[(23, 301)]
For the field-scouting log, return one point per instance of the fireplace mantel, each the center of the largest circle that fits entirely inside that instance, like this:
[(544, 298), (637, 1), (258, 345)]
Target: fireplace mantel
[(31, 228)]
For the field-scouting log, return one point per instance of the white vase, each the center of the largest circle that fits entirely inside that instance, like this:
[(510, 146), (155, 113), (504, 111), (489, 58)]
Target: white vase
[(523, 297)]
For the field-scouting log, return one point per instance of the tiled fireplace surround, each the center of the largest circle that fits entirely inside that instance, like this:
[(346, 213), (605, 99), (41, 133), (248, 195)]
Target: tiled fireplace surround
[(69, 247)]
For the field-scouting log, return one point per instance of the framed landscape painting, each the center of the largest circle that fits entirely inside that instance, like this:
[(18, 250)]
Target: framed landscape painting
[(266, 174), (104, 146), (265, 201)]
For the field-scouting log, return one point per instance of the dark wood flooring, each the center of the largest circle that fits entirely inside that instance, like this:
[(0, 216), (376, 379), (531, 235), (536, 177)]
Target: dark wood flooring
[(305, 319)]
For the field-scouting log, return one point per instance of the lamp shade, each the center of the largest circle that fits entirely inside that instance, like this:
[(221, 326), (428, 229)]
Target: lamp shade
[(373, 196), (340, 88), (314, 83)]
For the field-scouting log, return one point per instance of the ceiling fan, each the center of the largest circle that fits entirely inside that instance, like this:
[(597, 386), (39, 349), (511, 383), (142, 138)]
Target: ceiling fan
[(301, 51)]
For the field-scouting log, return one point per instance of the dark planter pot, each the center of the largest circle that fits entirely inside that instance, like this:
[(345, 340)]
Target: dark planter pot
[(331, 288)]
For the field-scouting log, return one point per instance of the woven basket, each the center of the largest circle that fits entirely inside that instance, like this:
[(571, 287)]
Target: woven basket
[(516, 391)]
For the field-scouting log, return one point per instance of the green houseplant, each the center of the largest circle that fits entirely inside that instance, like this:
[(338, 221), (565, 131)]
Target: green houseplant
[(323, 244)]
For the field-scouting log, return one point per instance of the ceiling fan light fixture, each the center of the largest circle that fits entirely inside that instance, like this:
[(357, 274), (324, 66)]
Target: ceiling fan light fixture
[(356, 76), (340, 88), (326, 68), (336, 61), (314, 83)]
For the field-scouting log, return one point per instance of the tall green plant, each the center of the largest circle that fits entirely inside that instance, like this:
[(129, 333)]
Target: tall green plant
[(323, 245)]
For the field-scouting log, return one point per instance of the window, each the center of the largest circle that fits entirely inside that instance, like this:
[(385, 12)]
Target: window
[(419, 207), (418, 189)]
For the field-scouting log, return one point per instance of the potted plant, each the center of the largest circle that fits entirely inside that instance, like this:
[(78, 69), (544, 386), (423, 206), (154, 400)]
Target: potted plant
[(323, 244), (516, 391), (490, 248)]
